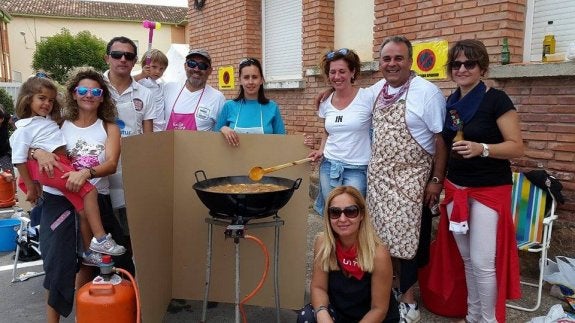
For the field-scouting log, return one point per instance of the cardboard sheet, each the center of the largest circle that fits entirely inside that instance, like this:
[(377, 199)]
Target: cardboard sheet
[(167, 220)]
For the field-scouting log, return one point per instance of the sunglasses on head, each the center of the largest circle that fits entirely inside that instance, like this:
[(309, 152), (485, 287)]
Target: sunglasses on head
[(116, 54), (247, 61), (82, 90), (42, 75), (200, 65), (469, 65), (340, 52), (350, 212)]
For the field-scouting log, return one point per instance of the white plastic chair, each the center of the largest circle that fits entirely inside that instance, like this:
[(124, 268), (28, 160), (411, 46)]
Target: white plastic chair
[(533, 227)]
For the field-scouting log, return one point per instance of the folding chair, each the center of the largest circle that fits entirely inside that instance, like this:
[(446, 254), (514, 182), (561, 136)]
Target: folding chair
[(533, 226), (23, 238)]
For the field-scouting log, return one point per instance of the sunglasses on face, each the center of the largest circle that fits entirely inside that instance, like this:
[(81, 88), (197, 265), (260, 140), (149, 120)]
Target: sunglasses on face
[(469, 65), (340, 52), (116, 54), (350, 212), (200, 65), (82, 90)]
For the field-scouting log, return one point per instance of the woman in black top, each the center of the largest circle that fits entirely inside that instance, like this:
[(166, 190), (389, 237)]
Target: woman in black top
[(352, 272), (482, 126)]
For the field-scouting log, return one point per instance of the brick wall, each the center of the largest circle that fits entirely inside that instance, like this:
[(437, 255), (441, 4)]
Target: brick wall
[(546, 107), (229, 30), (232, 29)]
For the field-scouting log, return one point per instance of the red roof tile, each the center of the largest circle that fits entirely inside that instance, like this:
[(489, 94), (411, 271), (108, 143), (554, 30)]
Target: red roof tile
[(95, 10)]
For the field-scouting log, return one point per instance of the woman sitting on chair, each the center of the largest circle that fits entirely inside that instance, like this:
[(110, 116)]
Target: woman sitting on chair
[(352, 270)]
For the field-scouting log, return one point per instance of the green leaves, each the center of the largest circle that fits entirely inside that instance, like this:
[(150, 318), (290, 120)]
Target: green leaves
[(60, 53)]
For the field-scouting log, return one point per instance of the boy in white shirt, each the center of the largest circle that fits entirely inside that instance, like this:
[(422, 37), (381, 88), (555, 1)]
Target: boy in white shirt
[(154, 64)]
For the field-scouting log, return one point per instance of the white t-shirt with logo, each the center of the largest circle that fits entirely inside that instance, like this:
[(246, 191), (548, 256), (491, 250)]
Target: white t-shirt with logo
[(348, 138), (136, 97)]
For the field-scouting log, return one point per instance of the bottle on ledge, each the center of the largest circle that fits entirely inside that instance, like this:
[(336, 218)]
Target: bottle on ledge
[(548, 41), (505, 54)]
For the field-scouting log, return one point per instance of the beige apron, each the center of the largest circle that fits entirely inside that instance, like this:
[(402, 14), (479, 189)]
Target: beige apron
[(397, 175)]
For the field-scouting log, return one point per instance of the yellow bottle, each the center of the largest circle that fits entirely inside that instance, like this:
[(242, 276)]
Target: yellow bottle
[(548, 41)]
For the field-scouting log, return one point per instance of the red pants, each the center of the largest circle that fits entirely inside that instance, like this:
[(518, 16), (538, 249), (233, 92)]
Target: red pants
[(76, 198)]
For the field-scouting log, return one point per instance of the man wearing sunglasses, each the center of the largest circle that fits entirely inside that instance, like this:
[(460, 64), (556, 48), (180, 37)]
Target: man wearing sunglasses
[(193, 104), (133, 101), (135, 106)]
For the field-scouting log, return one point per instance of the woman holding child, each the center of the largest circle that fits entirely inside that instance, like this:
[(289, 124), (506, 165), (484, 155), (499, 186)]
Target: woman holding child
[(92, 142)]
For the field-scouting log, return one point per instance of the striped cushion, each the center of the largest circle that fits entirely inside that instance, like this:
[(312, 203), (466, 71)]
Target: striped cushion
[(528, 209)]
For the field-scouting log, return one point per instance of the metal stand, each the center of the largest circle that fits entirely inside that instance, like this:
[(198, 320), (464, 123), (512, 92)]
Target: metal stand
[(22, 237), (236, 232)]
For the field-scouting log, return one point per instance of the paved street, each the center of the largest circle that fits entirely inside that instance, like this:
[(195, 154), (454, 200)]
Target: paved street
[(24, 301)]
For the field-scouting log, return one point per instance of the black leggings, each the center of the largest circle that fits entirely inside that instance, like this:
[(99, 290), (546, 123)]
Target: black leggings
[(408, 267)]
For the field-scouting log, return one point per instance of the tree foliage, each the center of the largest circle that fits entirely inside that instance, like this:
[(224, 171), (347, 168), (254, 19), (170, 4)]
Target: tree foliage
[(6, 101), (60, 53)]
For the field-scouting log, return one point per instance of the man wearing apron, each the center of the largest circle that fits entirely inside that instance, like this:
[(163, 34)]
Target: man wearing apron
[(193, 104), (407, 164), (135, 106)]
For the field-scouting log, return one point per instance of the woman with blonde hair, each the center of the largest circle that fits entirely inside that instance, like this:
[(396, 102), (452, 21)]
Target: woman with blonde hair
[(352, 272)]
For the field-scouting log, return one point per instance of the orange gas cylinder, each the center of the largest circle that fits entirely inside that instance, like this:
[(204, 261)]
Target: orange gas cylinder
[(7, 193), (106, 303)]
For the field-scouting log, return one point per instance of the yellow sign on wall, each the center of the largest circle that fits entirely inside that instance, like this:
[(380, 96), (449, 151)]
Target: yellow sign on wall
[(226, 80), (430, 58)]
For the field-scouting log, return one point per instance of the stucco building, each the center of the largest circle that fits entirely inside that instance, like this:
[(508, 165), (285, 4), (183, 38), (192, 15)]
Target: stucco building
[(34, 20)]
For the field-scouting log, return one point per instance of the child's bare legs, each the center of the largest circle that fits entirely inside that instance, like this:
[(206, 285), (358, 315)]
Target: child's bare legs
[(91, 213), (91, 226)]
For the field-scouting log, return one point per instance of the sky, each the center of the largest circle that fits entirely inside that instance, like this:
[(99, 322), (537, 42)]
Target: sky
[(176, 3)]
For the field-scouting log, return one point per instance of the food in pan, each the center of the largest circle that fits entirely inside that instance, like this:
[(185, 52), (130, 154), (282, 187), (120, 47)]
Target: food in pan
[(246, 188)]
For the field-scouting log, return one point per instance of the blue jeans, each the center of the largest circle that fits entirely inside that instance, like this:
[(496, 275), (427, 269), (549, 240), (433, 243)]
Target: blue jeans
[(333, 173)]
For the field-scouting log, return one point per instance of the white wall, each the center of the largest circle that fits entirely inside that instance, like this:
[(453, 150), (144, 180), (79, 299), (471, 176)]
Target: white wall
[(354, 22), (36, 28)]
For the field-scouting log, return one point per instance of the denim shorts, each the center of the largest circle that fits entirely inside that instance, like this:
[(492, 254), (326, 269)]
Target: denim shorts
[(333, 173)]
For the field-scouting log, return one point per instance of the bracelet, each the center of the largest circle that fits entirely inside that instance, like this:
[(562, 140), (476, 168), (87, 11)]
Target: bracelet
[(319, 309)]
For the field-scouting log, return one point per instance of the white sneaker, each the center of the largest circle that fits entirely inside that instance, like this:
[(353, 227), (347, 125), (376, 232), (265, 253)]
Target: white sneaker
[(108, 246), (409, 313), (93, 259)]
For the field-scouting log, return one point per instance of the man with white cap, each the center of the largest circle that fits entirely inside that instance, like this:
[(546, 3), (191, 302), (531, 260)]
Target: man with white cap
[(193, 104)]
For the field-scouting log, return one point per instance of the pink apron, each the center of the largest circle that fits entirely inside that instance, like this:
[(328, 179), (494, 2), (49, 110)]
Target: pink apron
[(183, 121)]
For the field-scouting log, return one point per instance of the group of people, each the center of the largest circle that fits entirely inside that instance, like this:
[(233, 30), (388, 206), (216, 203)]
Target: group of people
[(386, 153), (66, 148)]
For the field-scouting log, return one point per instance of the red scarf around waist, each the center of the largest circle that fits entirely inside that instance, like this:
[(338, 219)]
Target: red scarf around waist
[(497, 198)]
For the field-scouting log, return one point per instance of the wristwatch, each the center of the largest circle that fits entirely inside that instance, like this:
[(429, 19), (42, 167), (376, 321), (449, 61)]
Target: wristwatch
[(485, 151), (92, 172), (435, 180)]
